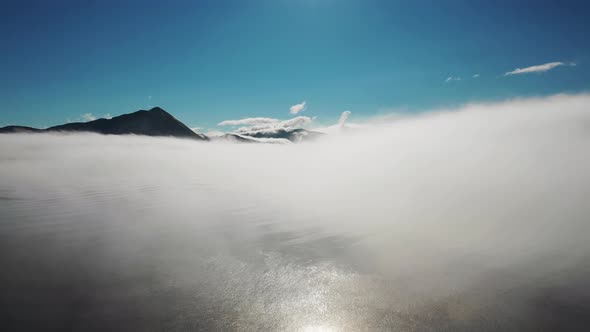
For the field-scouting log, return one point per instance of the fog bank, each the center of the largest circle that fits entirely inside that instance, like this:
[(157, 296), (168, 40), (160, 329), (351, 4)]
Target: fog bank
[(449, 220)]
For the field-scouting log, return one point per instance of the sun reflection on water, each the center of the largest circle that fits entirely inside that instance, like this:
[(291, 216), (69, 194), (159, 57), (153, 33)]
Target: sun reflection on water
[(319, 328)]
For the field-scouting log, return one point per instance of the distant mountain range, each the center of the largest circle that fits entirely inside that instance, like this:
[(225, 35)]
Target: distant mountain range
[(157, 122), (293, 135)]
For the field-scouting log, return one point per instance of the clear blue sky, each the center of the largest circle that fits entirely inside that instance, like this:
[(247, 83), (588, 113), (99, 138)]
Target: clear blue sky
[(208, 61)]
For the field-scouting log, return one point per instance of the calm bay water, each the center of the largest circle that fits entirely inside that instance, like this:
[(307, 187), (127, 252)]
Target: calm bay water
[(93, 259)]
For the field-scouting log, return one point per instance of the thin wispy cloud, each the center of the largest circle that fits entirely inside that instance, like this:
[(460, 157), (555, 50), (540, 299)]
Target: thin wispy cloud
[(343, 117), (266, 125), (88, 117), (295, 109), (296, 122), (248, 122), (475, 76), (452, 78), (538, 68)]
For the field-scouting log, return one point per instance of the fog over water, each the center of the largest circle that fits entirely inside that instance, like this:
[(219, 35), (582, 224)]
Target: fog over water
[(471, 219)]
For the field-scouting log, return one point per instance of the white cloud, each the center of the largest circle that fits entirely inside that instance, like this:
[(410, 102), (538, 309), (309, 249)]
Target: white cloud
[(297, 108), (149, 97), (88, 117), (249, 122), (266, 125), (475, 76), (342, 124), (287, 125), (343, 118), (296, 122), (538, 68), (451, 78), (214, 133)]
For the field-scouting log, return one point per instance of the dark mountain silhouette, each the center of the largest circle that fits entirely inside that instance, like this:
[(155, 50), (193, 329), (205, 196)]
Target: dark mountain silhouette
[(275, 136), (293, 135), (155, 122), (19, 129)]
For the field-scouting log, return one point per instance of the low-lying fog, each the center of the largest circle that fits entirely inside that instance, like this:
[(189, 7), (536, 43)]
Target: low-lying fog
[(471, 219)]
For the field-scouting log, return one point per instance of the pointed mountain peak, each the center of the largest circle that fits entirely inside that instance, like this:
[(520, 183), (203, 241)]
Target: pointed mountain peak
[(155, 122), (157, 110)]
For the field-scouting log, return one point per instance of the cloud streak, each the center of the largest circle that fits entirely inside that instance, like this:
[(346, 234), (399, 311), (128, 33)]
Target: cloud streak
[(252, 126), (249, 122), (343, 117), (88, 117), (538, 68)]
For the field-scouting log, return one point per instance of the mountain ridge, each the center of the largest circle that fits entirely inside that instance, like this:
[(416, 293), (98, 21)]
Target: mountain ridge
[(157, 122), (153, 122)]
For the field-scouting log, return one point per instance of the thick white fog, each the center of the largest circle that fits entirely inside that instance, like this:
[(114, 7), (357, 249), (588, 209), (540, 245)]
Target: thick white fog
[(423, 206)]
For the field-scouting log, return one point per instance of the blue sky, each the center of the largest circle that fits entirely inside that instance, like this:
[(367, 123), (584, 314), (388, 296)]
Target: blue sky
[(209, 61)]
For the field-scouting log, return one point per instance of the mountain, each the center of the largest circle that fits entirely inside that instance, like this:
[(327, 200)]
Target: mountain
[(281, 136), (293, 135), (239, 138), (155, 122), (19, 129)]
